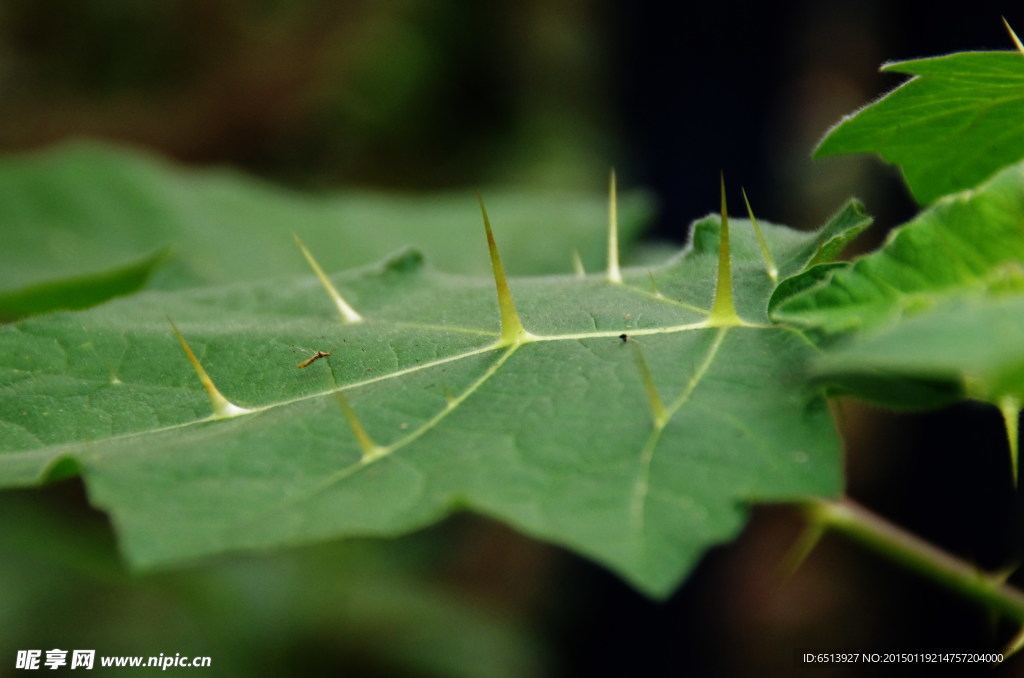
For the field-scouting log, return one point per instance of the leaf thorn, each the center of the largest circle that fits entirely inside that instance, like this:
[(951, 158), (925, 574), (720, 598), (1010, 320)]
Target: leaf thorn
[(723, 310), (658, 411), (1013, 36), (1013, 646), (769, 260), (348, 314), (222, 407), (654, 286), (370, 449), (512, 330), (1010, 407), (798, 552), (577, 265), (614, 274)]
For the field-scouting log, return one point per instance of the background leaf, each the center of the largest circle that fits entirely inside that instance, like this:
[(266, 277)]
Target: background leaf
[(958, 121), (84, 209), (554, 435)]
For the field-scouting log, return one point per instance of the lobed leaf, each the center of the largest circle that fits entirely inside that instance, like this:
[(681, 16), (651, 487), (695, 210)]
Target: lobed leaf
[(552, 432), (954, 124)]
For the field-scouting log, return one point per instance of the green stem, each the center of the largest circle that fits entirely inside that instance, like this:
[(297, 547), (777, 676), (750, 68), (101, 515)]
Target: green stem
[(912, 552)]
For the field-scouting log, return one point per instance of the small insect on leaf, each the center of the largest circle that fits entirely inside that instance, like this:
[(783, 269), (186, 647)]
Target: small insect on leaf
[(624, 337), (313, 358)]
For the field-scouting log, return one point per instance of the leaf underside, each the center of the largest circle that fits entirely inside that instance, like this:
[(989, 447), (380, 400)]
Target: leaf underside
[(553, 435)]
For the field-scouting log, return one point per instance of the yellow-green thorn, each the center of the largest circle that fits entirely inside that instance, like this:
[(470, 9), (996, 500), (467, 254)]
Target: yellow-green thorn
[(1014, 646), (348, 314), (769, 260), (370, 449), (654, 285), (1009, 406), (577, 265), (797, 554), (222, 407), (658, 411), (512, 330), (723, 310), (1013, 36), (614, 274)]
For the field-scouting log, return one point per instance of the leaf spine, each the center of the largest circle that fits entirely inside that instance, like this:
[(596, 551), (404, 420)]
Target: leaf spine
[(654, 286), (723, 310), (1013, 36), (614, 274), (222, 407), (1010, 407), (769, 260), (1014, 646), (512, 330), (577, 265), (658, 411), (348, 314), (798, 552), (370, 449)]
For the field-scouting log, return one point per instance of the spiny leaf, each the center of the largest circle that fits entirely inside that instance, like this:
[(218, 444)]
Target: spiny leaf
[(958, 121), (552, 433)]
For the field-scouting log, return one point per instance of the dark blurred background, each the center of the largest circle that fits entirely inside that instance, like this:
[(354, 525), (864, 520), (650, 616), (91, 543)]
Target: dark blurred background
[(415, 96)]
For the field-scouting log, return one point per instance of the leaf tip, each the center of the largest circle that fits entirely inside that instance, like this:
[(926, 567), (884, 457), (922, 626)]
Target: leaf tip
[(347, 313)]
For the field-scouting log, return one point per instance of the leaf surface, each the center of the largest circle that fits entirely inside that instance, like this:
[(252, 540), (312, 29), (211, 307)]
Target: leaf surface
[(553, 434), (955, 123)]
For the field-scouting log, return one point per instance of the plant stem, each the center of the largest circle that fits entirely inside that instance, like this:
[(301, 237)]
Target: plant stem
[(911, 551)]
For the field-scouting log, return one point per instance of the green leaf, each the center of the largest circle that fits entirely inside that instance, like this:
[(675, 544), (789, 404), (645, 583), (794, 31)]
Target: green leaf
[(973, 344), (79, 292), (936, 313), (965, 243), (958, 121), (79, 209), (551, 431), (969, 347)]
